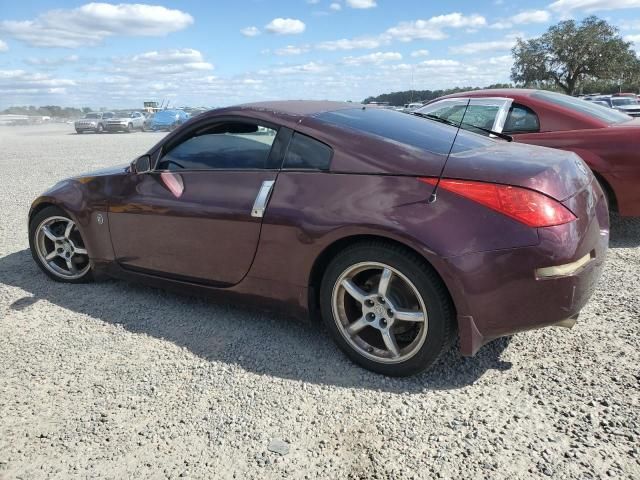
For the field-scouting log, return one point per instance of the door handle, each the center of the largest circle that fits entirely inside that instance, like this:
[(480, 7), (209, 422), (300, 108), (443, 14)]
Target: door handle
[(261, 200)]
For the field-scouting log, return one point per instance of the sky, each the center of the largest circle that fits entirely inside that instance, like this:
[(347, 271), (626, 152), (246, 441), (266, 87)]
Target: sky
[(216, 53)]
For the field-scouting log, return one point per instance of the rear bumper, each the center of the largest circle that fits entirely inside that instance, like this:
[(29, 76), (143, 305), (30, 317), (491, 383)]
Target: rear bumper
[(503, 292)]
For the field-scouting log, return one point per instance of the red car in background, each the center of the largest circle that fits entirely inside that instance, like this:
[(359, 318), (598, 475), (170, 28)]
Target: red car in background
[(606, 139)]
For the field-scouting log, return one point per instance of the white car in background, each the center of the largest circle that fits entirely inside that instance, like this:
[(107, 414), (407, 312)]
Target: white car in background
[(126, 122)]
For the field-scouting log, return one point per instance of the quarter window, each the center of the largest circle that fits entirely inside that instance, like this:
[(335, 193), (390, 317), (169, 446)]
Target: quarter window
[(229, 145), (521, 119), (306, 153)]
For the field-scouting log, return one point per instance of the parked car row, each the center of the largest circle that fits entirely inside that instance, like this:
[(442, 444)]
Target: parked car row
[(100, 122), (625, 103), (401, 231)]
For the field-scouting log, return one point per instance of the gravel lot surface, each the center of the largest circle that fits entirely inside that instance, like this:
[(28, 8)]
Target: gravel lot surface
[(112, 380)]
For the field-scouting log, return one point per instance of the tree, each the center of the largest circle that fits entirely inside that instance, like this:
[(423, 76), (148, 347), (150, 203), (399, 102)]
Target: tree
[(569, 53)]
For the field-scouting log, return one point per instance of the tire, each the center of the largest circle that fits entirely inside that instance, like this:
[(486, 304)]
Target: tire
[(40, 243), (417, 344), (79, 132), (99, 128), (129, 128)]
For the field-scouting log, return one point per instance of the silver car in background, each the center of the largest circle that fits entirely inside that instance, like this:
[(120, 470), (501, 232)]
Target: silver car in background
[(126, 122), (93, 122)]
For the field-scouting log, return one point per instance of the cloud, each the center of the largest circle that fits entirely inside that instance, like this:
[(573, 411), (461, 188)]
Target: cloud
[(307, 68), (3, 46), (250, 31), (291, 50), (525, 17), (372, 58), (285, 26), (432, 28), (566, 6), (632, 38), (21, 82), (161, 62), (361, 3), (349, 44), (335, 6), (52, 62), (91, 23), (480, 47), (420, 53)]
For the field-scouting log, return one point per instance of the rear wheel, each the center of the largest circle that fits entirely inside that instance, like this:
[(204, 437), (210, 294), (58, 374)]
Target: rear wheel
[(386, 309), (58, 247)]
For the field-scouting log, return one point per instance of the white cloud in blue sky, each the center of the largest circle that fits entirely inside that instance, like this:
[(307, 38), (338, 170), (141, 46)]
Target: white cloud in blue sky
[(219, 53)]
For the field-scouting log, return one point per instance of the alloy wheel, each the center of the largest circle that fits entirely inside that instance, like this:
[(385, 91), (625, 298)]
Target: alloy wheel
[(379, 312), (60, 248)]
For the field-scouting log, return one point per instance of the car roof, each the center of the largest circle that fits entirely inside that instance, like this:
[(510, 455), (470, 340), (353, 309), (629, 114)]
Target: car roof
[(495, 92), (302, 108)]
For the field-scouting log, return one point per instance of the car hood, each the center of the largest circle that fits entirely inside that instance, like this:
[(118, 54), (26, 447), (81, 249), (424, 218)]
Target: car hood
[(556, 173), (104, 172)]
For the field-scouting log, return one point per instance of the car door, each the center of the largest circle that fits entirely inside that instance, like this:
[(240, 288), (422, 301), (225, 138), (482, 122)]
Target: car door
[(197, 216)]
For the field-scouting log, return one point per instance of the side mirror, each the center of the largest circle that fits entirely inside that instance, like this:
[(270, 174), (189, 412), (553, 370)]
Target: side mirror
[(141, 164)]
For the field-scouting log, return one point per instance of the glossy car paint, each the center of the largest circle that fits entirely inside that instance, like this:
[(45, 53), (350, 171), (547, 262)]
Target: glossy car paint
[(611, 151), (206, 242)]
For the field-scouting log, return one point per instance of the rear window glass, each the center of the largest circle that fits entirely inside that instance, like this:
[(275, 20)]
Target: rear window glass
[(306, 153), (604, 114), (406, 129)]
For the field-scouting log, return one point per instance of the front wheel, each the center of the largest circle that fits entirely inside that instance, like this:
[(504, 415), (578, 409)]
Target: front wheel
[(58, 247), (99, 128), (386, 308), (129, 128)]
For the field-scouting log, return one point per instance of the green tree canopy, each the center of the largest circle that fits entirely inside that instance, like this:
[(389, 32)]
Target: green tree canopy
[(569, 53)]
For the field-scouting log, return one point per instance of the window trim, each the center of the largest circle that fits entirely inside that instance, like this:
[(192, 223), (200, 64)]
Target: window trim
[(300, 169), (207, 123)]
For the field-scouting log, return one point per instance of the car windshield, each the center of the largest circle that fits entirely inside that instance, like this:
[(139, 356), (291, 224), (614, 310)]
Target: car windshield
[(107, 115), (598, 112), (623, 101), (91, 115)]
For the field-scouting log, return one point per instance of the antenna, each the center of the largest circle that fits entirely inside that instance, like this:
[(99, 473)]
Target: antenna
[(434, 194)]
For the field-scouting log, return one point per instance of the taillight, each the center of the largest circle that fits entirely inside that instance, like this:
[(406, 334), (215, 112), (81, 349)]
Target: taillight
[(527, 206)]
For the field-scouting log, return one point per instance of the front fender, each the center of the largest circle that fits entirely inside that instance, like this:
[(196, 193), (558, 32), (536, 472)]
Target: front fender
[(83, 201)]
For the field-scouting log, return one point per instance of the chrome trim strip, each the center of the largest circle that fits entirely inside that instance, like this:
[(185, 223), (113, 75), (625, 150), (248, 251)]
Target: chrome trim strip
[(261, 200)]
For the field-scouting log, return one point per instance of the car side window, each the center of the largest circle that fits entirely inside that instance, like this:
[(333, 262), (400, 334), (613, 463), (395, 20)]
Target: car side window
[(521, 119), (307, 153), (228, 145)]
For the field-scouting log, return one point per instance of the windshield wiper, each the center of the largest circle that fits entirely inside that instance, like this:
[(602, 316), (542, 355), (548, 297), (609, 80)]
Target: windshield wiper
[(430, 116)]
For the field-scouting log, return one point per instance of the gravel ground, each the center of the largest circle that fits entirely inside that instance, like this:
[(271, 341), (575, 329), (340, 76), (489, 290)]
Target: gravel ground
[(112, 380)]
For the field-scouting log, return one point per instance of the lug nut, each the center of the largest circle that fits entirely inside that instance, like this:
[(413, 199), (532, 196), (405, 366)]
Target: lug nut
[(390, 312), (371, 316), (383, 322), (369, 303), (381, 299)]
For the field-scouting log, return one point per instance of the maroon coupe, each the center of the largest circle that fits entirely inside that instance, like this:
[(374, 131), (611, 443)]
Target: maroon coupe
[(606, 139), (337, 208)]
